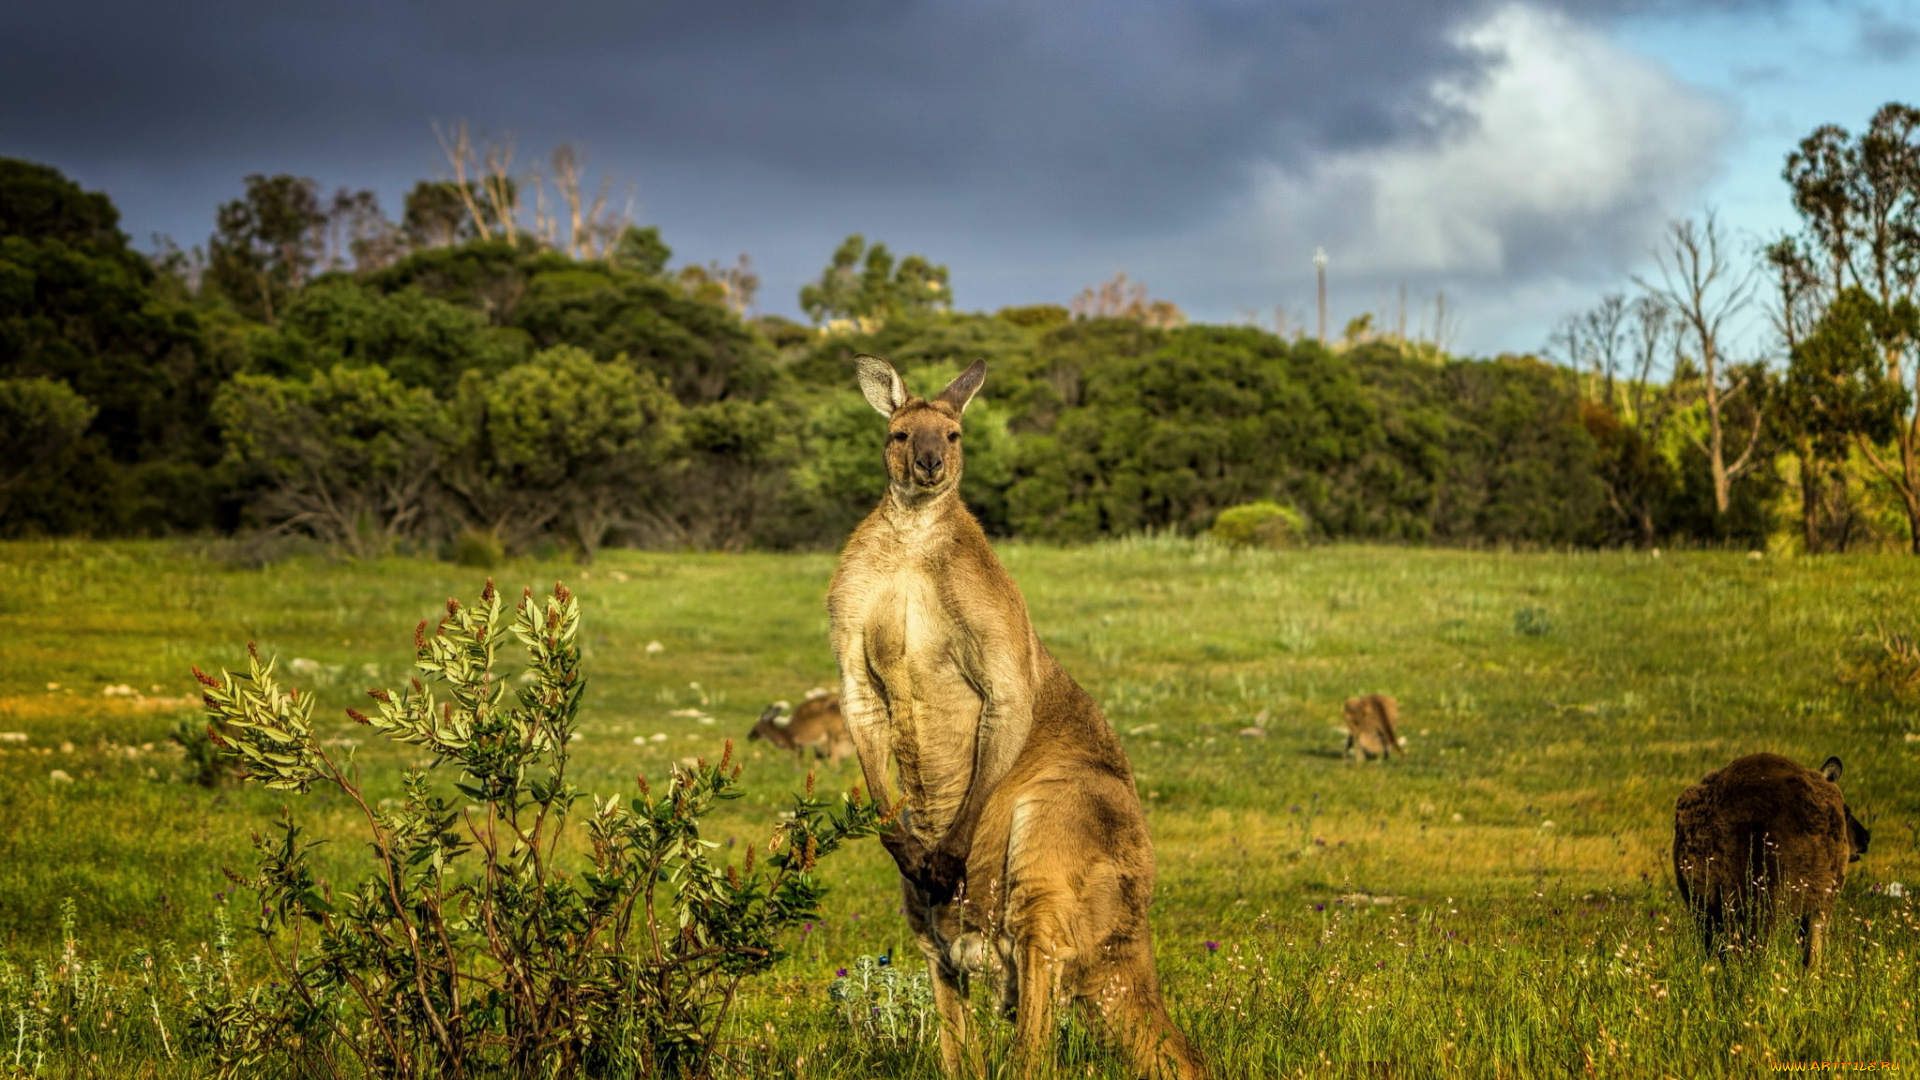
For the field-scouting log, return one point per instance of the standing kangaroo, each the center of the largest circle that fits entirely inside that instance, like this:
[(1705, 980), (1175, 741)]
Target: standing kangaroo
[(1022, 847)]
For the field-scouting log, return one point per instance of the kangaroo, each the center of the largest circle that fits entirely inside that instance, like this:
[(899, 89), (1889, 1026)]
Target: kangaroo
[(1761, 833), (1021, 843), (1370, 726), (816, 725)]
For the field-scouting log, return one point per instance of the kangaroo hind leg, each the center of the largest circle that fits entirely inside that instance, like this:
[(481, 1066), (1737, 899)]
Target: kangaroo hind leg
[(1132, 1015)]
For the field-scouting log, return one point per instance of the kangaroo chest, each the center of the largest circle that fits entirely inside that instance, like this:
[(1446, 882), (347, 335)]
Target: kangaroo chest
[(918, 648)]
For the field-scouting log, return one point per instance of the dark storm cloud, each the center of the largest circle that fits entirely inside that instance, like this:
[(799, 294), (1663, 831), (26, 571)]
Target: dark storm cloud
[(1109, 111), (1034, 148)]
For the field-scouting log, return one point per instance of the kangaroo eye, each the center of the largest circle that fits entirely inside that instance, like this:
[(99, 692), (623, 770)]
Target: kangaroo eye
[(953, 436), (899, 436)]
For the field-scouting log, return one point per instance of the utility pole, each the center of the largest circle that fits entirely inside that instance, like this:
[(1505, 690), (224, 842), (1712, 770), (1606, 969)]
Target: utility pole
[(1320, 270)]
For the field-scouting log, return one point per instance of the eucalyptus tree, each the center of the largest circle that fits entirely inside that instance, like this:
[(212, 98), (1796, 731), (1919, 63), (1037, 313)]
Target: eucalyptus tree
[(1859, 199)]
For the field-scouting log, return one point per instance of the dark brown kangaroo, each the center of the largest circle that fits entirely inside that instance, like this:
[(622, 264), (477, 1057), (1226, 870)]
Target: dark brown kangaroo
[(1763, 833), (816, 725), (1022, 847)]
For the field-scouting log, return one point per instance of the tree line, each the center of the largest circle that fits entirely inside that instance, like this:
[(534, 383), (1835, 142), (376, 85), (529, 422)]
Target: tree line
[(1812, 436), (515, 365)]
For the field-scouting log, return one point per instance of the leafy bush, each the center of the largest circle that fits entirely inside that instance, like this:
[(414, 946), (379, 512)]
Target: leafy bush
[(476, 947), (1260, 524)]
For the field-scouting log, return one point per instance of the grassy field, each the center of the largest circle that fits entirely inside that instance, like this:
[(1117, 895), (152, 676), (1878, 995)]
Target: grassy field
[(1498, 903)]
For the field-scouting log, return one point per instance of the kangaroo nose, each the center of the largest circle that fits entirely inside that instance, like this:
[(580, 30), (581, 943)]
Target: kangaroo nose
[(930, 464)]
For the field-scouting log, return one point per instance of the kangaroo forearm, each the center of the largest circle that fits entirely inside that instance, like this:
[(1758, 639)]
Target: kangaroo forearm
[(1003, 734)]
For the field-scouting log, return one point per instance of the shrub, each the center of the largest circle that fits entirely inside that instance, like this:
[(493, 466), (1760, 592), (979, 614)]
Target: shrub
[(1260, 524), (476, 947), (477, 549)]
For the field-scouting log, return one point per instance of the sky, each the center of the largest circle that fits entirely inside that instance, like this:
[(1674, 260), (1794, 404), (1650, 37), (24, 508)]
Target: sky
[(1519, 158)]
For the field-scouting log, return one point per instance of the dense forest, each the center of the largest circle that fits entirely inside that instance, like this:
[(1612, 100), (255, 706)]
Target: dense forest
[(484, 376)]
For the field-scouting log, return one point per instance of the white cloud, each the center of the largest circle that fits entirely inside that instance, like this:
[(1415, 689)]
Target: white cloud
[(1560, 159)]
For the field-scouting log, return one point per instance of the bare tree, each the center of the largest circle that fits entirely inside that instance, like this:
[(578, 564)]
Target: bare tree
[(457, 144), (1618, 346), (1703, 289), (1592, 343), (1123, 299), (483, 178), (497, 180), (587, 238)]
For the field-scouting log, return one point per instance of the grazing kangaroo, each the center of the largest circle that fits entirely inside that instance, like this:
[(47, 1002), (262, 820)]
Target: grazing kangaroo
[(1022, 847), (816, 725), (1370, 726), (1761, 833)]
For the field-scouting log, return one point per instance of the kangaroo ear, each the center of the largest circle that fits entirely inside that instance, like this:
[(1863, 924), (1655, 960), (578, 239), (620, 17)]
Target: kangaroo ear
[(884, 388), (1831, 770), (964, 386)]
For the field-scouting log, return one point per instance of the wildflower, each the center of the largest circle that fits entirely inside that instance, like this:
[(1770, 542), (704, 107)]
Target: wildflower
[(1319, 907), (840, 973), (1213, 946)]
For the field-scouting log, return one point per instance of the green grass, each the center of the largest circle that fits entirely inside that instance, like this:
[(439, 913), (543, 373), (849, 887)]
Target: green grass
[(1497, 903)]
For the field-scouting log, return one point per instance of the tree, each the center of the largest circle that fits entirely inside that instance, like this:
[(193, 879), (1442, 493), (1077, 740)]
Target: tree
[(1122, 299), (735, 286), (79, 307), (419, 340), (562, 441), (1839, 387), (1702, 289), (864, 283), (492, 195), (1860, 201), (1804, 421), (349, 456), (436, 216), (359, 236), (267, 243), (1617, 347), (40, 421), (641, 251), (592, 229), (701, 350), (737, 457)]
